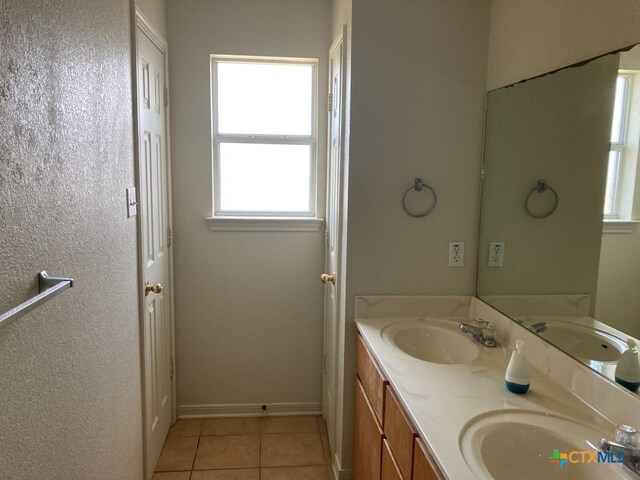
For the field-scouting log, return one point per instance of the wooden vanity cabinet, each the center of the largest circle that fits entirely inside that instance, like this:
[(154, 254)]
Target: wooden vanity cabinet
[(390, 468), (399, 432), (368, 436), (386, 444)]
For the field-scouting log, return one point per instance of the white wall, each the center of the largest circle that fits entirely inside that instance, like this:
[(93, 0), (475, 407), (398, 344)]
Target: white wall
[(417, 110), (530, 38), (249, 305), (70, 377)]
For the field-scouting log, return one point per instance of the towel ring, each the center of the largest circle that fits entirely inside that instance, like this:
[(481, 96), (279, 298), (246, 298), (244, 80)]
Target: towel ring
[(541, 187), (418, 186)]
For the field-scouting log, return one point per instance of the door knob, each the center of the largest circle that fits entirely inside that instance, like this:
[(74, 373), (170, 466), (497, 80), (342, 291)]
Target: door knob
[(152, 288), (328, 278)]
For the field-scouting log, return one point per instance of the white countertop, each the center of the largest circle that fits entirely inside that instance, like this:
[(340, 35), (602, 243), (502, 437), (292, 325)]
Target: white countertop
[(441, 399)]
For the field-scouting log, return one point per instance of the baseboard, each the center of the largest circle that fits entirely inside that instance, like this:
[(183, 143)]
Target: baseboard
[(338, 473), (248, 410)]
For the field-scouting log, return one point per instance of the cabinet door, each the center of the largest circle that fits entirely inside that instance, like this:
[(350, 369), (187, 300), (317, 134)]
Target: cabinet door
[(423, 465), (372, 380), (367, 441), (399, 432), (390, 469)]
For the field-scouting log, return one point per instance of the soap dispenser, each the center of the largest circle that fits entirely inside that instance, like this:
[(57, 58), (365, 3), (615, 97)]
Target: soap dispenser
[(628, 368), (517, 374)]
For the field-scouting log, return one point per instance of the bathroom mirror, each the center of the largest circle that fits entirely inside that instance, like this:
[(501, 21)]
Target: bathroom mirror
[(561, 151)]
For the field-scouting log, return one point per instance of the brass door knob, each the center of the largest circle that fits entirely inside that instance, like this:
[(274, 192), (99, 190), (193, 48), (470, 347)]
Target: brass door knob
[(152, 288), (328, 278)]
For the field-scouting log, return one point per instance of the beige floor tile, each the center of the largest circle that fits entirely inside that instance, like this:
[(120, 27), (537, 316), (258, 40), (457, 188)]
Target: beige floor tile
[(291, 449), (299, 424), (177, 454), (322, 425), (229, 451), (231, 426), (171, 476), (235, 474), (190, 427), (295, 473), (325, 446)]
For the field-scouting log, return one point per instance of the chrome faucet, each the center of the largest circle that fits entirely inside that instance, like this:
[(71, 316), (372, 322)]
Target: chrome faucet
[(539, 327), (625, 447), (482, 332)]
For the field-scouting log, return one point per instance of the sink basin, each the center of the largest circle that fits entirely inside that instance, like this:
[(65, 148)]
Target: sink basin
[(431, 340), (589, 344), (508, 444)]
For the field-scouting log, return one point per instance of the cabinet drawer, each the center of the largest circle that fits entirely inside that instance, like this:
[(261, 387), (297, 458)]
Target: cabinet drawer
[(390, 468), (399, 433), (367, 439), (424, 467), (372, 380)]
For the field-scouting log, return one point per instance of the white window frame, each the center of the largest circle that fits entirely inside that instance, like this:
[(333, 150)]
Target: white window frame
[(619, 147), (264, 220)]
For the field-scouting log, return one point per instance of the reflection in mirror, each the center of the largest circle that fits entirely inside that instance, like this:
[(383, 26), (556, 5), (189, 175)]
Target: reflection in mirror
[(560, 156)]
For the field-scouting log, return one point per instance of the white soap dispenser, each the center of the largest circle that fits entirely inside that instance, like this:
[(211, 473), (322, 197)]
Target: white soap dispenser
[(517, 374), (628, 368)]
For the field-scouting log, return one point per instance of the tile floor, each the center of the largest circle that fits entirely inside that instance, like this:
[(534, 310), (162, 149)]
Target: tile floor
[(244, 448)]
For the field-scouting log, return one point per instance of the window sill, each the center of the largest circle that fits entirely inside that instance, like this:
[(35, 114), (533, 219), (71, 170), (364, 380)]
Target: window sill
[(619, 226), (265, 224)]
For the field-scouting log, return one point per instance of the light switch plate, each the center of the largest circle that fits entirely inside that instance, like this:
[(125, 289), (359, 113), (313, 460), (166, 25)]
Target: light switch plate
[(132, 204)]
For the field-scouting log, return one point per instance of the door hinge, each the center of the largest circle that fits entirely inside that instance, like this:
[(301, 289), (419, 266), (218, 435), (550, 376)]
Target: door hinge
[(166, 97), (330, 103), (171, 368), (324, 364), (169, 237)]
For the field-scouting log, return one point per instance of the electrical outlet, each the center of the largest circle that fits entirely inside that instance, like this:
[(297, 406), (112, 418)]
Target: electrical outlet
[(496, 254), (456, 254)]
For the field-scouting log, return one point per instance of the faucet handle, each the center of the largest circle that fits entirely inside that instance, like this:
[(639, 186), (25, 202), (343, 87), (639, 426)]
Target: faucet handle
[(627, 435), (480, 323)]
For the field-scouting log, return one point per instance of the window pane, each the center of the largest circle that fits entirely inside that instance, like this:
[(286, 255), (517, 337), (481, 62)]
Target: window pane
[(264, 178), (264, 98), (612, 184), (617, 130)]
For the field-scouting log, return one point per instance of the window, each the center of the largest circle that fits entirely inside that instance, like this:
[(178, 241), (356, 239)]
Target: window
[(264, 137), (619, 123)]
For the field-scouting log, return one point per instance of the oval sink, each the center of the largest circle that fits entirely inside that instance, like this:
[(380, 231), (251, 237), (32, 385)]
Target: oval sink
[(585, 343), (508, 444), (431, 340)]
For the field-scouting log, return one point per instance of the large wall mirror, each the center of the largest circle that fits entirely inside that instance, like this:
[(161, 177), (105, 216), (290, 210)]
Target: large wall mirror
[(559, 249)]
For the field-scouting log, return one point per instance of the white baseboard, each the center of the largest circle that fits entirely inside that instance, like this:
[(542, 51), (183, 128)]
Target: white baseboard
[(338, 473), (248, 410)]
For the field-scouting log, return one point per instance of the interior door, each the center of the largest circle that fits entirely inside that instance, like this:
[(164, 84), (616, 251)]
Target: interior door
[(333, 234), (155, 242)]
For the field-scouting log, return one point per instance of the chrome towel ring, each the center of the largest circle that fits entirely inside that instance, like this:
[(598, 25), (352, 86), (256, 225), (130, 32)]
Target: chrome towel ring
[(417, 187), (541, 187)]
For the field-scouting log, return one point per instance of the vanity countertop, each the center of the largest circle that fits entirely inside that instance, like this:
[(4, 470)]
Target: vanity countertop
[(442, 399)]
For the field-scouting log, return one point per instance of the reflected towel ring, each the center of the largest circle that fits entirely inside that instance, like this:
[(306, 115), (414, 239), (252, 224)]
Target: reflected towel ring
[(541, 188), (418, 186)]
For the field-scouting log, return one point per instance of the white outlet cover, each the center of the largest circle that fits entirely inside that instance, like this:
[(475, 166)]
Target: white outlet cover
[(456, 254), (496, 254)]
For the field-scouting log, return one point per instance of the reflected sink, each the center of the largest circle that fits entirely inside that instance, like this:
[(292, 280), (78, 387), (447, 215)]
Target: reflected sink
[(508, 444), (431, 340), (589, 344)]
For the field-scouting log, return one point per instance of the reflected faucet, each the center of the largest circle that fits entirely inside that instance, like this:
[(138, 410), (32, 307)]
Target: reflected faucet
[(624, 448), (539, 327), (482, 332)]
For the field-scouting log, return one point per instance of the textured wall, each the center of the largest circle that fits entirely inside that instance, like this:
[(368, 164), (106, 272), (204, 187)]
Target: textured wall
[(70, 379), (249, 305)]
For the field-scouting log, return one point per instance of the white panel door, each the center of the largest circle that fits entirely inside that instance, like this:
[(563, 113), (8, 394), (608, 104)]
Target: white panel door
[(154, 221), (333, 238)]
